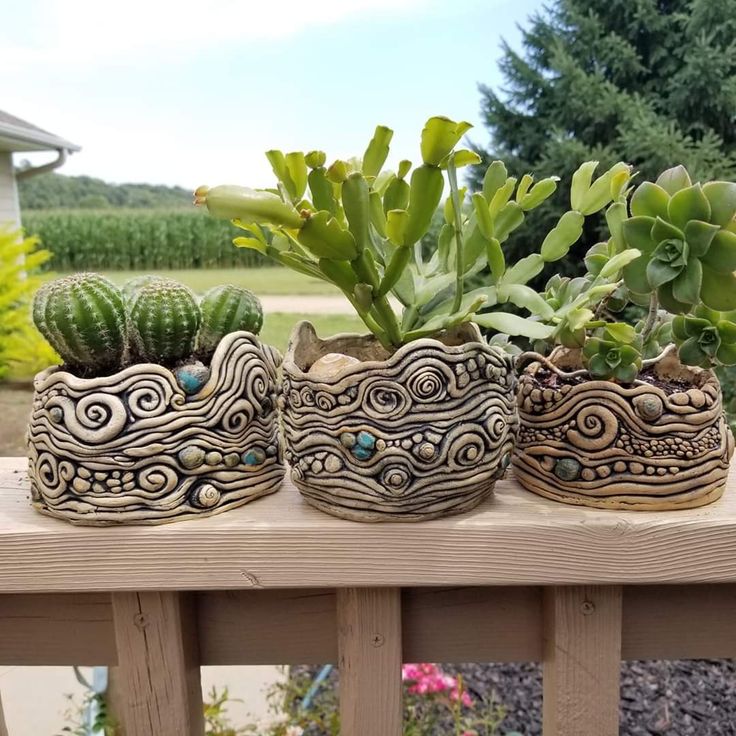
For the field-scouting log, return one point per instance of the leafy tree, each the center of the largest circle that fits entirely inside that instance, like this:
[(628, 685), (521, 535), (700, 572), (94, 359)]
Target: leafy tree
[(50, 191), (651, 82)]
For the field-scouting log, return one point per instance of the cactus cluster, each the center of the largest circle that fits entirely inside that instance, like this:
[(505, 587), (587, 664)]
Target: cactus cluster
[(96, 327)]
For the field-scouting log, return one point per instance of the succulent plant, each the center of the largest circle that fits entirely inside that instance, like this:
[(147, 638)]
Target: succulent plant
[(705, 338), (687, 236), (615, 354), (83, 318), (361, 229), (164, 319), (227, 309)]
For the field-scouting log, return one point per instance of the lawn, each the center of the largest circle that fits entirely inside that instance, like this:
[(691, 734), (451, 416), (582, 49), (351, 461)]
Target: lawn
[(262, 281)]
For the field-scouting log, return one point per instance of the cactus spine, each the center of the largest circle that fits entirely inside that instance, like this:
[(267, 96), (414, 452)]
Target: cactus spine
[(227, 309), (83, 318), (164, 319)]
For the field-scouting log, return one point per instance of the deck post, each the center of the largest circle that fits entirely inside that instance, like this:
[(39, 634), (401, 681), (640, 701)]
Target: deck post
[(369, 650), (158, 684), (581, 659)]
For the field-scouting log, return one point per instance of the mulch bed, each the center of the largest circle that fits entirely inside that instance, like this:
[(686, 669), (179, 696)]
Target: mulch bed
[(658, 698)]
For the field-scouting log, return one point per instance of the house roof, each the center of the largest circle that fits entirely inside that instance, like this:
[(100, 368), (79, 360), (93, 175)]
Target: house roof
[(19, 135)]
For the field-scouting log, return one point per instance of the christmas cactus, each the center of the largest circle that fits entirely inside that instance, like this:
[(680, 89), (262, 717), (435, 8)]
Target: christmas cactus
[(364, 229)]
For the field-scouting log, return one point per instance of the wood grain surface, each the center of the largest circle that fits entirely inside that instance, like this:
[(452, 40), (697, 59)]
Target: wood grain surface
[(516, 538)]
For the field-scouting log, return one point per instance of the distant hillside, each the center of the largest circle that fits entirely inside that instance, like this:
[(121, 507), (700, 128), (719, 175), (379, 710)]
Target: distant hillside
[(50, 191)]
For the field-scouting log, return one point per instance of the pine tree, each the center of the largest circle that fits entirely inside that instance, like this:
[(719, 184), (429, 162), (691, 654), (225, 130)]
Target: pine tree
[(650, 82)]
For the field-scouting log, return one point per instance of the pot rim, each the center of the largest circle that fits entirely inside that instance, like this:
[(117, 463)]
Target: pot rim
[(304, 330), (93, 382)]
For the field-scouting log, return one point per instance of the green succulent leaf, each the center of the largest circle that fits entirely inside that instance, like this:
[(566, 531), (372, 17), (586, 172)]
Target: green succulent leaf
[(637, 232), (463, 157), (598, 366), (688, 204), (722, 198), (482, 215), (721, 255), (618, 262), (560, 239), (581, 184), (526, 298), (674, 179), (496, 259), (507, 220), (323, 236), (726, 354), (718, 290), (668, 301), (699, 236), (635, 276), (377, 152), (538, 193), (661, 272), (495, 177), (615, 218), (686, 287), (679, 328), (620, 332), (512, 324), (525, 269), (396, 222), (691, 353), (649, 200), (663, 230), (596, 258), (439, 136), (626, 373)]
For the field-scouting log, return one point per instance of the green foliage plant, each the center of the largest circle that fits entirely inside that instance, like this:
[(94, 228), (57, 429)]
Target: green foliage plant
[(672, 249), (22, 351), (365, 230), (227, 309)]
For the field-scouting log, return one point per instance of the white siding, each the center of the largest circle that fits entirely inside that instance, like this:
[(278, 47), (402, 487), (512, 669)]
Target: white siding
[(9, 209)]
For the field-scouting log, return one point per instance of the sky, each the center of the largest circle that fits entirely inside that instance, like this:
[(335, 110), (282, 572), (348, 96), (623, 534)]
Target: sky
[(193, 93)]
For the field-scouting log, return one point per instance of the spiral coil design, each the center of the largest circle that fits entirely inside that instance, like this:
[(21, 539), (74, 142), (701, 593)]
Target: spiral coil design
[(422, 434), (600, 444), (133, 448)]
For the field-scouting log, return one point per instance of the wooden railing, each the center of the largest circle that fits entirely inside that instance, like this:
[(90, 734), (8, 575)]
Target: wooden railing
[(520, 579)]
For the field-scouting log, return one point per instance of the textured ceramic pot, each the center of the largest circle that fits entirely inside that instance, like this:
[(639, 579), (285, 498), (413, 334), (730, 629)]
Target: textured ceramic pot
[(648, 446), (414, 435), (133, 448)]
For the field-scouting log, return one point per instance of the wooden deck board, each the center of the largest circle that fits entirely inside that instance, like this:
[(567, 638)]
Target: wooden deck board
[(515, 538)]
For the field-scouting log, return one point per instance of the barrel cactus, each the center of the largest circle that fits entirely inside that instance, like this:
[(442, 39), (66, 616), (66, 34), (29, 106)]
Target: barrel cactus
[(83, 318), (164, 318), (227, 309)]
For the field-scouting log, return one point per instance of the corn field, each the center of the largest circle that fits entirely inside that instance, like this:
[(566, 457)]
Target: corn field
[(137, 239)]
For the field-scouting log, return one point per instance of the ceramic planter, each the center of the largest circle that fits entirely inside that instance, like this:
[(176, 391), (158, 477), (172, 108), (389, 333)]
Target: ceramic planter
[(649, 446), (414, 435), (133, 448)]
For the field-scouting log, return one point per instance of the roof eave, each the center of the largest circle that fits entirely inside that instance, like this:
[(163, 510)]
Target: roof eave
[(21, 139)]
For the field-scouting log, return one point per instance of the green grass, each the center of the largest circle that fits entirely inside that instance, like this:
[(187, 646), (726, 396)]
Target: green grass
[(262, 281), (277, 327)]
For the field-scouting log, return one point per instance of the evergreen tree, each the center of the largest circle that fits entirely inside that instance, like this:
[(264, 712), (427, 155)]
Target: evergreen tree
[(650, 82)]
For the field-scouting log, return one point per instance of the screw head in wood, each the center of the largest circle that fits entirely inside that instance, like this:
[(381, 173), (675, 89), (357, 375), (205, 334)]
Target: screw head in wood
[(378, 640), (587, 607)]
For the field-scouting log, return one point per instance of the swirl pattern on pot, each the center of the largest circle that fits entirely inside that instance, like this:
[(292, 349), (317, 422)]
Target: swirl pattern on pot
[(598, 443), (133, 447), (421, 433)]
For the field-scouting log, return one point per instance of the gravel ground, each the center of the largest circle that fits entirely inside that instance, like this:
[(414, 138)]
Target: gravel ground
[(662, 698)]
